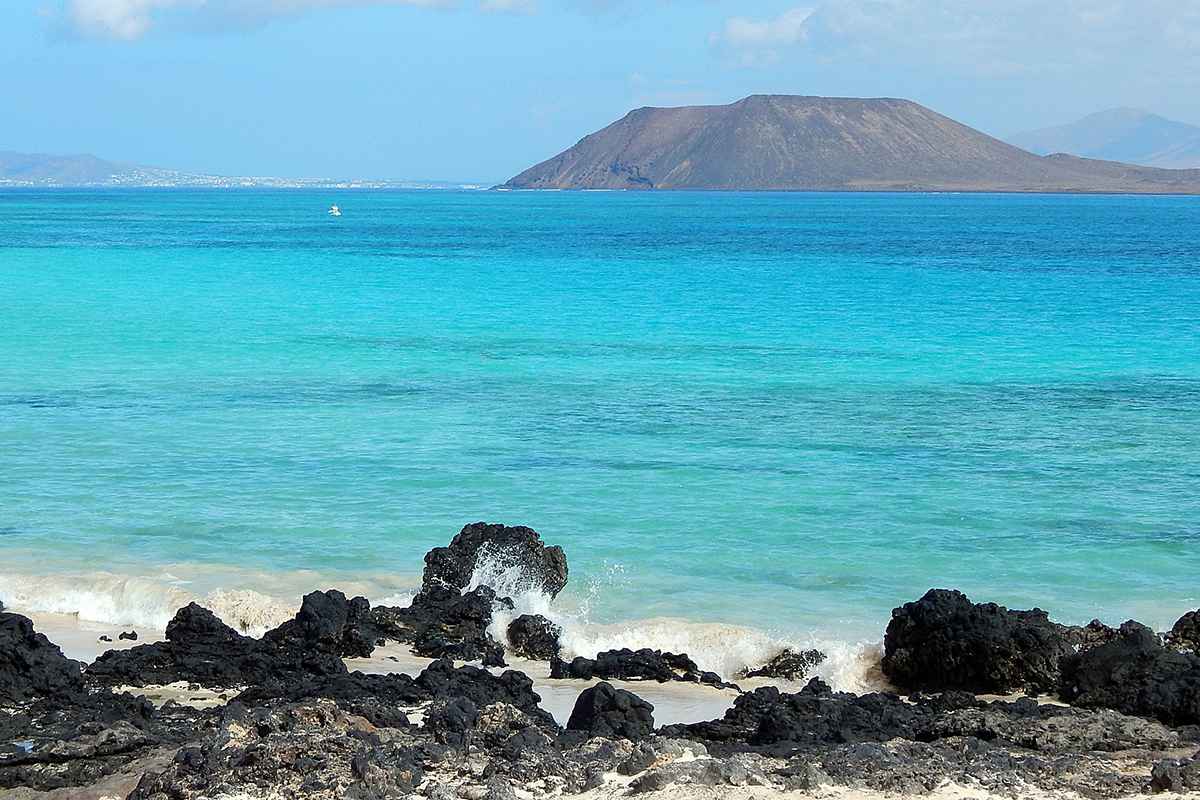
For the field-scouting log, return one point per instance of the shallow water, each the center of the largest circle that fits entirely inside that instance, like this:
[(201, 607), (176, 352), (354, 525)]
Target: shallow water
[(784, 412)]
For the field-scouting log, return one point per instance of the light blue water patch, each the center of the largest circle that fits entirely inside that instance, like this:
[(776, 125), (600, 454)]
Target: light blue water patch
[(788, 411)]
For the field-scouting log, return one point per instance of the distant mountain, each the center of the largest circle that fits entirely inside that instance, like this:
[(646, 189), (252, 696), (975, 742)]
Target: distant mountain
[(39, 170), (1122, 134), (822, 143)]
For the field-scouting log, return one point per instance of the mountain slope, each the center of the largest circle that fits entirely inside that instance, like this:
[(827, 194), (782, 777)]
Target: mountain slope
[(1122, 134), (64, 170), (819, 143)]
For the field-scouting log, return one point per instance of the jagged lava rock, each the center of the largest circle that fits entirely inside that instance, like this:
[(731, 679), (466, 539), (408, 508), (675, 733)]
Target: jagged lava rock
[(604, 710), (639, 665), (944, 641), (201, 649), (533, 636), (31, 666), (330, 623), (518, 548), (1135, 674), (443, 622), (310, 750), (1185, 633), (791, 665)]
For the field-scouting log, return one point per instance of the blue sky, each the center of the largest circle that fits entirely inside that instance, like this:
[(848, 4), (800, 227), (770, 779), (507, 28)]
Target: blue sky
[(480, 89)]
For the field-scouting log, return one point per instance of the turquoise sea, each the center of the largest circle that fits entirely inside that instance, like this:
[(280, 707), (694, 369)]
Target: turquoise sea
[(785, 412)]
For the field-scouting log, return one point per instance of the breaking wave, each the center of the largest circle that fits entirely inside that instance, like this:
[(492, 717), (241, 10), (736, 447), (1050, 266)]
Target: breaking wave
[(151, 600)]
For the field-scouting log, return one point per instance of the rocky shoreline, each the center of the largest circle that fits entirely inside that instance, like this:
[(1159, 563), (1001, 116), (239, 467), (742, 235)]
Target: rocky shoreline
[(286, 718)]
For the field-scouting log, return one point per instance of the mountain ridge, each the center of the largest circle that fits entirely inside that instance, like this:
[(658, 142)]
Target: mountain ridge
[(1122, 134), (792, 142)]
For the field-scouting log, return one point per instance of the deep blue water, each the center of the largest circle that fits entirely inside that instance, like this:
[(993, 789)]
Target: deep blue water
[(783, 410)]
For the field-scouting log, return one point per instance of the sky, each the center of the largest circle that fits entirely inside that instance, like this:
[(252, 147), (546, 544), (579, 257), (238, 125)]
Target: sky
[(468, 90)]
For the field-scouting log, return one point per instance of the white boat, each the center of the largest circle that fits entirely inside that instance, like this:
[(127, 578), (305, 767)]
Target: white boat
[(334, 211)]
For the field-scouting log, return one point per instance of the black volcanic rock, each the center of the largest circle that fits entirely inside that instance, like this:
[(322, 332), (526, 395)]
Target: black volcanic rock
[(1185, 633), (30, 665), (442, 622), (518, 548), (790, 665), (636, 665), (329, 623), (201, 649), (603, 710), (533, 636), (1135, 674), (770, 721), (824, 143), (944, 641)]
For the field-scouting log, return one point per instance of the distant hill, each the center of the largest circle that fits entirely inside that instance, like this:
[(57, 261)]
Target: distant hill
[(821, 143), (40, 170), (76, 170), (1122, 134)]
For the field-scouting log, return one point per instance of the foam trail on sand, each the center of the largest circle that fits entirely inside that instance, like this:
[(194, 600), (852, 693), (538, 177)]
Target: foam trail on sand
[(135, 600), (151, 600), (718, 647)]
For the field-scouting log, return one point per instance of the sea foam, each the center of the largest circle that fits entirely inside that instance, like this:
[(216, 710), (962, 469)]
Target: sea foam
[(151, 600)]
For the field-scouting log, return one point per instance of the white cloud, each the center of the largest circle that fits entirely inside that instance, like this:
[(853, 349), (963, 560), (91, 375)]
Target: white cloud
[(132, 19), (996, 37), (509, 6), (118, 19), (788, 28)]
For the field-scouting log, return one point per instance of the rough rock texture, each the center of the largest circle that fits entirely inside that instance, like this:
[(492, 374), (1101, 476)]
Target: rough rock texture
[(944, 641), (1135, 674), (201, 649), (535, 637), (466, 733), (312, 751), (791, 665), (443, 622), (30, 665), (1185, 633), (824, 143), (329, 623), (82, 739), (769, 721), (603, 710), (1176, 775), (518, 550), (639, 665)]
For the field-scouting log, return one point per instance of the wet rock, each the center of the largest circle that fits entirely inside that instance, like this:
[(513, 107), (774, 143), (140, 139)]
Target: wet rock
[(603, 710), (1185, 634), (31, 666), (104, 638), (443, 622), (518, 550), (127, 636), (535, 637), (1135, 674), (1088, 636), (944, 641), (791, 665), (640, 665)]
